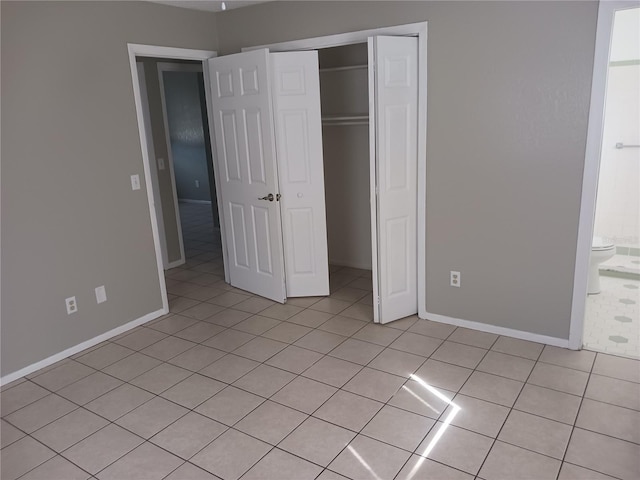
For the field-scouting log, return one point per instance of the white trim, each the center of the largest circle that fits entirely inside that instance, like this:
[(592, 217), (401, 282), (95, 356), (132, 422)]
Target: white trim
[(158, 52), (81, 346), (189, 200), (373, 177), (175, 263), (606, 12), (507, 332)]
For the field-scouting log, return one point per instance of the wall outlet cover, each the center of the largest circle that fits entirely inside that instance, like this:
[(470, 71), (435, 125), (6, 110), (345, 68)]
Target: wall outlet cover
[(101, 294), (135, 182), (455, 279), (72, 305)]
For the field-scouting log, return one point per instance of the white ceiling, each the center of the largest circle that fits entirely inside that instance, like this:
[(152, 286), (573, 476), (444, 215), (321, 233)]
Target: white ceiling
[(207, 5)]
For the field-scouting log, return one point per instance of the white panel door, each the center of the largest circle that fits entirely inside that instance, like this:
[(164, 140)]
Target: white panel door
[(393, 91), (246, 159), (298, 124)]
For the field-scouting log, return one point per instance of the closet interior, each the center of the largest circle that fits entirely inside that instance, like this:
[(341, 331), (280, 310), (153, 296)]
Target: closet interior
[(344, 99)]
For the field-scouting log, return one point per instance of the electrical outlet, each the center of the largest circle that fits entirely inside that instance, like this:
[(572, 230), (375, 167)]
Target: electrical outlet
[(197, 183), (160, 163), (135, 182), (455, 279), (72, 305), (101, 294)]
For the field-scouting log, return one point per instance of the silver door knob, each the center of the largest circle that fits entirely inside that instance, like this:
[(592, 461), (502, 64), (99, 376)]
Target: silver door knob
[(269, 197)]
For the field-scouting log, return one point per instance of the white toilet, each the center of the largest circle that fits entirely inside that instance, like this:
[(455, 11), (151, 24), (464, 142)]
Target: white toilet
[(601, 251)]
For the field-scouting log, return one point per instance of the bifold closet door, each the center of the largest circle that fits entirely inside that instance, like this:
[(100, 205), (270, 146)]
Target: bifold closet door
[(393, 93), (298, 125), (248, 177)]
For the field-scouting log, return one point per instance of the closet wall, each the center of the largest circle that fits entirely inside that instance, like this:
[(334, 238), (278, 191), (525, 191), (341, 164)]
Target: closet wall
[(344, 100)]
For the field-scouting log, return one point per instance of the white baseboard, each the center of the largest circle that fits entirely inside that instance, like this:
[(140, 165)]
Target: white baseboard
[(176, 263), (80, 347), (359, 266), (507, 332), (190, 200)]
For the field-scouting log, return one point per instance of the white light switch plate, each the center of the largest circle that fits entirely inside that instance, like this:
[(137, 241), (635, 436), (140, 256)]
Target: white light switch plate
[(101, 294), (135, 182)]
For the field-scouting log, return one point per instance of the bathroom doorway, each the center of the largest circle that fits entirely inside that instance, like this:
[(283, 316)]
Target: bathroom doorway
[(612, 313)]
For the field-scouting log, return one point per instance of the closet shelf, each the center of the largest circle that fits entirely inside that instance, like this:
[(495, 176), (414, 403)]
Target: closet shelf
[(343, 69), (362, 119)]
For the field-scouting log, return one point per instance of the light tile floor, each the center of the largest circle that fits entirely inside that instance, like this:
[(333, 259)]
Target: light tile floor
[(232, 386)]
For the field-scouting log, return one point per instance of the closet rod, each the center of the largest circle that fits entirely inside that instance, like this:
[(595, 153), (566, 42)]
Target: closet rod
[(339, 118), (342, 69)]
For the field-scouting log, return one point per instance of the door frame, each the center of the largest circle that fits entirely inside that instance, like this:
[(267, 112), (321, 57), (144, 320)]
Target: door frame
[(161, 68), (586, 219), (156, 51), (418, 30)]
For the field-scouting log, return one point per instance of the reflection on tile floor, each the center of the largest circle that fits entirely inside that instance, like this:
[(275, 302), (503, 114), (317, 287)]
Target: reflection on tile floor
[(232, 386), (612, 320)]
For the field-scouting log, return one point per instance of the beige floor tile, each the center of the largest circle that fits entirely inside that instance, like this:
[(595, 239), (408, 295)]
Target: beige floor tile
[(609, 420), (283, 466), (349, 294), (432, 329), (617, 367), (604, 454), (200, 312), (329, 475), (348, 410), (333, 371), (230, 405), (264, 380), (231, 454), (119, 401), (398, 427), (517, 347), (20, 395), (260, 349), (70, 429), (257, 324), (304, 394), (342, 325), (310, 318), (132, 366), (104, 356), (174, 323), (197, 358), (416, 398), (573, 472), (180, 304), (492, 388), (416, 344), (374, 384), (287, 332), (359, 311), (356, 351), (368, 458), (146, 461), (563, 357), (102, 448), (506, 462), (559, 378), (317, 441), (422, 468), (193, 390), (188, 471), (199, 332), (89, 388), (188, 435), (443, 375), (459, 354), (614, 391), (253, 305), (547, 403), (271, 422), (66, 374), (376, 333), (40, 413), (9, 434), (319, 341), (150, 418), (403, 323), (228, 318), (168, 348), (304, 302), (515, 368), (536, 433), (161, 378), (229, 340), (229, 368), (228, 299), (477, 415), (280, 312), (330, 305), (294, 359), (22, 456), (397, 362), (473, 338), (141, 338), (56, 468)]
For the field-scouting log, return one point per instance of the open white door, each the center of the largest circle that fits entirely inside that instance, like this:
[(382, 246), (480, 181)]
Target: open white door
[(244, 133), (393, 94), (296, 103)]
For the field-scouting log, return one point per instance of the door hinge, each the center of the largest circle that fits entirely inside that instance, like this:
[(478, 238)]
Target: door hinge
[(278, 197)]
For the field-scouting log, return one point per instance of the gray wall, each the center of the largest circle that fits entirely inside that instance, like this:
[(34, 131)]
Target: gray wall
[(509, 86), (70, 221)]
